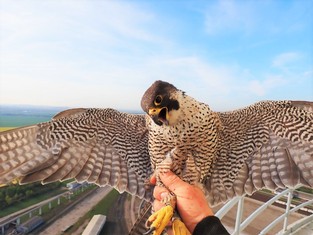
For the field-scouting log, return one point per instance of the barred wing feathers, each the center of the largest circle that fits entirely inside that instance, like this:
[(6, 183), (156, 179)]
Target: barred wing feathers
[(266, 145), (101, 146)]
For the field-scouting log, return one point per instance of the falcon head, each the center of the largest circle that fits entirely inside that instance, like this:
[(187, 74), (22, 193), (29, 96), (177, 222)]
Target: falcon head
[(161, 103)]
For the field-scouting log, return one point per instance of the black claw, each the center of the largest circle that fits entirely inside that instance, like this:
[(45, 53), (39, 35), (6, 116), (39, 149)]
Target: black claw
[(149, 231), (148, 224)]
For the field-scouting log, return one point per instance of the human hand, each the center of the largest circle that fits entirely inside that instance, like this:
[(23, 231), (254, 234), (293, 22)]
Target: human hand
[(191, 202)]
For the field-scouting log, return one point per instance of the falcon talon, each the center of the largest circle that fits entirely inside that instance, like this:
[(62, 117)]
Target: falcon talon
[(149, 231), (160, 219)]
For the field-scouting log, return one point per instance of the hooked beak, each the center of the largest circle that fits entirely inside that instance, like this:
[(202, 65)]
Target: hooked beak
[(159, 115)]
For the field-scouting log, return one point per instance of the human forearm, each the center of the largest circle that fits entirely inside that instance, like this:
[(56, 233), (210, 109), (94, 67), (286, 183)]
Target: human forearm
[(210, 225)]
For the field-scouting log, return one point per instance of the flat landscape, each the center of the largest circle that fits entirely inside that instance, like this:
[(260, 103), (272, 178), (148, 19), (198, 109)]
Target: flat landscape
[(23, 115)]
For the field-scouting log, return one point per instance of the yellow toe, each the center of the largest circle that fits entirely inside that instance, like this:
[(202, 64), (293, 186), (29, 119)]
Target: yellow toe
[(179, 228), (160, 219)]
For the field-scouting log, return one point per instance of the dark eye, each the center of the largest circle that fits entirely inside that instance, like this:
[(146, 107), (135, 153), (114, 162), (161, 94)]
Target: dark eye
[(158, 100)]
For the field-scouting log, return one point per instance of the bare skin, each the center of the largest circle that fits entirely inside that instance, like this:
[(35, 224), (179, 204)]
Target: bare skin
[(191, 202)]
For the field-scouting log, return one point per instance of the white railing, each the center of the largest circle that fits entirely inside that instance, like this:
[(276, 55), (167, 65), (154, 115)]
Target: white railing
[(286, 229)]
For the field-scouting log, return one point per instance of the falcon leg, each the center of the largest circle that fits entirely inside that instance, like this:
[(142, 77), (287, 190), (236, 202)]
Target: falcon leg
[(158, 221)]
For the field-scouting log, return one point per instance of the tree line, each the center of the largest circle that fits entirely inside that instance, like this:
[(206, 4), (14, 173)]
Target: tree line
[(14, 193)]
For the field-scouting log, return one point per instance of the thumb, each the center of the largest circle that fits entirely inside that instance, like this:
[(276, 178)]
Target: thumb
[(172, 181)]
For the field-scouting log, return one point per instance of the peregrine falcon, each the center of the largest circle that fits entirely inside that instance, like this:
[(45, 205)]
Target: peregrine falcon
[(266, 145)]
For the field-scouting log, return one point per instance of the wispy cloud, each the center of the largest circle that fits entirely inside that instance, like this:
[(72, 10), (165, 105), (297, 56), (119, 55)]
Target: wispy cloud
[(226, 15), (215, 84), (247, 17), (262, 87), (79, 20), (286, 58)]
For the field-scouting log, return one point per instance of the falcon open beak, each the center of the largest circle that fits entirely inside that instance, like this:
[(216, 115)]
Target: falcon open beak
[(159, 115)]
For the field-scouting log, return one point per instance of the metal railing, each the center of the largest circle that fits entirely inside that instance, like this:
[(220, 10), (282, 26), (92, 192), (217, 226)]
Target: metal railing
[(289, 208)]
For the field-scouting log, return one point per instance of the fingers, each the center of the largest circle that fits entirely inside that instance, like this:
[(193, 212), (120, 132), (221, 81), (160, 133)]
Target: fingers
[(157, 205), (172, 181), (160, 192), (153, 179)]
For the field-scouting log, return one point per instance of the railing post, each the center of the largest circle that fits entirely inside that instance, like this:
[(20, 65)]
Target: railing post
[(239, 216), (227, 207), (287, 210)]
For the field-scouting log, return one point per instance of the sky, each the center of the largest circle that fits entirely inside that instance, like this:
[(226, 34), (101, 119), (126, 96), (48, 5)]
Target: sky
[(228, 54)]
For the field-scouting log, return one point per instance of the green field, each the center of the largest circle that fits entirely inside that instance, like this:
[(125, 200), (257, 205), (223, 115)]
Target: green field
[(102, 208), (5, 128), (29, 202), (25, 115), (14, 121), (22, 120)]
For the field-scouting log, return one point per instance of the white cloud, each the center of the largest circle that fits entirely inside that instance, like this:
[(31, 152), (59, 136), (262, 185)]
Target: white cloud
[(52, 28), (256, 17), (262, 87), (115, 17), (286, 58), (227, 15), (57, 50), (308, 74), (223, 87)]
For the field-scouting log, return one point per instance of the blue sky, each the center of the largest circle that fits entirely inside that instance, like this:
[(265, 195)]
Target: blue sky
[(228, 54)]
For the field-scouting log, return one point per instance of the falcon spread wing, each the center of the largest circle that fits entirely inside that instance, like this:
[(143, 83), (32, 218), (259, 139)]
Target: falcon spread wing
[(269, 144), (101, 146)]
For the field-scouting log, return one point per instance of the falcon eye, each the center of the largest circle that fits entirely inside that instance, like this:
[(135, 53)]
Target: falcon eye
[(158, 100)]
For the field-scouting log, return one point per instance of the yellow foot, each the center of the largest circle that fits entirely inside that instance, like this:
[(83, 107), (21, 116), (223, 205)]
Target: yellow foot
[(179, 228), (159, 220)]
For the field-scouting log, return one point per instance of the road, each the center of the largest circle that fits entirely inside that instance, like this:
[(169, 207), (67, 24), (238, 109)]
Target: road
[(26, 210), (76, 212)]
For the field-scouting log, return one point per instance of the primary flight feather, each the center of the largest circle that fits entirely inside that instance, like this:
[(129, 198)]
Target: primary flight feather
[(266, 145)]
